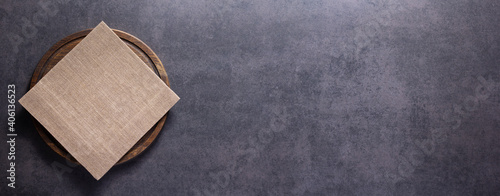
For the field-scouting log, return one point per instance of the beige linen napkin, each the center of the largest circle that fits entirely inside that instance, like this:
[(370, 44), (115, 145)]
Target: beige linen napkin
[(99, 100)]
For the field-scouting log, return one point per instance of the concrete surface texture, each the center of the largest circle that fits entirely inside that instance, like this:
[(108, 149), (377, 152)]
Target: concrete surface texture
[(285, 97)]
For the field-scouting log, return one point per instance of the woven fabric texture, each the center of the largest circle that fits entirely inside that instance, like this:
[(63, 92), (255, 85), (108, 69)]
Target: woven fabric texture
[(99, 100)]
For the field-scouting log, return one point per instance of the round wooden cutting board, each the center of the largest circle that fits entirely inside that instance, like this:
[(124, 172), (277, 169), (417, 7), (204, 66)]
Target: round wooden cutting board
[(61, 48)]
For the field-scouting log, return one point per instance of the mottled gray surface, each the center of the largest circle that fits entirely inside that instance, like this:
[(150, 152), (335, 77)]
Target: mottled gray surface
[(285, 97)]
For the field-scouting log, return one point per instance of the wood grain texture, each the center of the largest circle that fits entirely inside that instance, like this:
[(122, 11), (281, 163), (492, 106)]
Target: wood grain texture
[(62, 48)]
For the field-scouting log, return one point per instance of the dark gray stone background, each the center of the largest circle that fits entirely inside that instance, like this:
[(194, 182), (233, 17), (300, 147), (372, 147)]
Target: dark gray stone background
[(285, 97)]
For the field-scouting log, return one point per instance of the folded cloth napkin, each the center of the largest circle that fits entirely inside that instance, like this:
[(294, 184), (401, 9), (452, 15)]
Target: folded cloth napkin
[(99, 100)]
